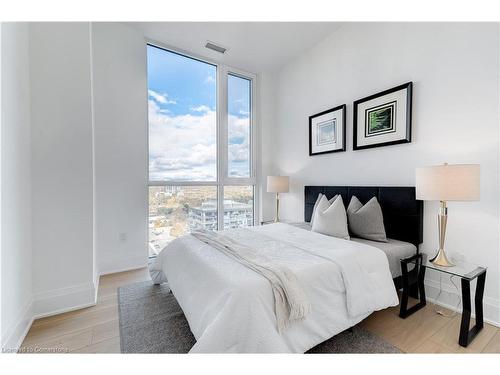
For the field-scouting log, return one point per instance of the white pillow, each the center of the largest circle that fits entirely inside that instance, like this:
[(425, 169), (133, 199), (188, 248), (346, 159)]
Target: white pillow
[(316, 205), (331, 219)]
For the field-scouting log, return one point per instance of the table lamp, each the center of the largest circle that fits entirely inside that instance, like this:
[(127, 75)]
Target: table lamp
[(277, 184), (458, 182)]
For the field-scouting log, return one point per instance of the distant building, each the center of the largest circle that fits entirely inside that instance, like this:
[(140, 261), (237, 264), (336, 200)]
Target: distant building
[(236, 215), (172, 189), (168, 191)]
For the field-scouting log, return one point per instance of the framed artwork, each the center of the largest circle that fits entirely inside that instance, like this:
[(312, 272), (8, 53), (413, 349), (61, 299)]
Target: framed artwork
[(327, 131), (383, 119)]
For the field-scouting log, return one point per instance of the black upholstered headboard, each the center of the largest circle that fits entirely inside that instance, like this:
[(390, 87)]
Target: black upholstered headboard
[(403, 214)]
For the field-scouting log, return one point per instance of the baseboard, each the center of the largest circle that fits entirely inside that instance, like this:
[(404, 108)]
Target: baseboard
[(14, 337), (62, 300), (127, 264), (449, 299)]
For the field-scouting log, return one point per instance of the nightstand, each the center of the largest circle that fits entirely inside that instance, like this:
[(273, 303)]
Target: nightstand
[(466, 271)]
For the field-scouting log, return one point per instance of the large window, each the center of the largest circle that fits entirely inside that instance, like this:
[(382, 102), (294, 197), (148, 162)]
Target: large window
[(201, 167)]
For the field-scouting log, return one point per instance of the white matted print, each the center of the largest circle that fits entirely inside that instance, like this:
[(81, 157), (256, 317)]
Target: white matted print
[(327, 131), (383, 119)]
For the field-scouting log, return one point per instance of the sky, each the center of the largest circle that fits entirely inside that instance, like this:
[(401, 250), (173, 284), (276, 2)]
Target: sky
[(182, 103)]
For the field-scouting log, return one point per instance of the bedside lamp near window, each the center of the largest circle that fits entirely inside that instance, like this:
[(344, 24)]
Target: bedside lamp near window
[(277, 184), (459, 182)]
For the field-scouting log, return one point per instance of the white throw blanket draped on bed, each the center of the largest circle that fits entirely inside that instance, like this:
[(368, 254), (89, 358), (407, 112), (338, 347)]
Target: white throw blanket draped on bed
[(289, 299)]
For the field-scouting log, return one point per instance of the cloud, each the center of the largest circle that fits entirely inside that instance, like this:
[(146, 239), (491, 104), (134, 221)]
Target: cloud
[(239, 146), (163, 99), (209, 80), (184, 147), (200, 108), (200, 159)]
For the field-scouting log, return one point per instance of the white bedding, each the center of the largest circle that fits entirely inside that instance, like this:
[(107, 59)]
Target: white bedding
[(230, 308), (250, 249), (395, 250)]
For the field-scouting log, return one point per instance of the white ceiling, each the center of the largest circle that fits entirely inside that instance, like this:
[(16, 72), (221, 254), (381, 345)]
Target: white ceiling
[(252, 46)]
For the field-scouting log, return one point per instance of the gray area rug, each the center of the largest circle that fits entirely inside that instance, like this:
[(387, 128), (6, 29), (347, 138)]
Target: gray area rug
[(151, 321)]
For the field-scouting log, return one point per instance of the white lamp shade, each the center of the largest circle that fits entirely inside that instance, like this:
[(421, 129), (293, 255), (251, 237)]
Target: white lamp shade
[(459, 182), (277, 184)]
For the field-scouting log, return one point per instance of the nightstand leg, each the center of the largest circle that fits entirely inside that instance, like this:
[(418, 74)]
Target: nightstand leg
[(466, 335), (404, 311), (466, 307), (421, 285), (478, 299)]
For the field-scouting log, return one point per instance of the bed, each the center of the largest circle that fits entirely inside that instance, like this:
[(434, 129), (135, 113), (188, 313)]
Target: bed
[(231, 308)]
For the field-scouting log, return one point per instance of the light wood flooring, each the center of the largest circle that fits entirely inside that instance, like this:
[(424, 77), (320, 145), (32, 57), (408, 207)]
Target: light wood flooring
[(95, 329)]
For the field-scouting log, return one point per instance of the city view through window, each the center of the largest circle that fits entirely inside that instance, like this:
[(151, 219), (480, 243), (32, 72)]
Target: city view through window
[(176, 210), (183, 132)]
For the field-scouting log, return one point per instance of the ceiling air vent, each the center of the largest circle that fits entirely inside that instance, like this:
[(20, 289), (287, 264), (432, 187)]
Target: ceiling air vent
[(215, 47)]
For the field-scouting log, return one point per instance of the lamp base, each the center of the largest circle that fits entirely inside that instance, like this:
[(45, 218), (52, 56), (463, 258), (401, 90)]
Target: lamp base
[(277, 217), (441, 259)]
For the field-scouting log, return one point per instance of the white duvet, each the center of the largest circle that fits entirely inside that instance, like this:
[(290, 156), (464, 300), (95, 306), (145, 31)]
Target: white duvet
[(230, 308)]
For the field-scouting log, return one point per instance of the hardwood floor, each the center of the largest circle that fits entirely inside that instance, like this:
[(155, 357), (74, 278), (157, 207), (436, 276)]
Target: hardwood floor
[(428, 332), (90, 330), (95, 329)]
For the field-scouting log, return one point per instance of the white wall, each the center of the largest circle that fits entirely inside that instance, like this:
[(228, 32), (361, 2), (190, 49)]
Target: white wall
[(454, 68), (62, 178), (74, 179), (16, 292), (121, 148)]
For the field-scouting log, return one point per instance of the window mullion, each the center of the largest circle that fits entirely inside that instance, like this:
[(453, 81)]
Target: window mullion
[(222, 140), (254, 150)]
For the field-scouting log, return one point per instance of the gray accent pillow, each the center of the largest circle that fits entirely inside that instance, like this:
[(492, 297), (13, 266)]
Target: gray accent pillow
[(317, 202), (366, 221), (331, 219)]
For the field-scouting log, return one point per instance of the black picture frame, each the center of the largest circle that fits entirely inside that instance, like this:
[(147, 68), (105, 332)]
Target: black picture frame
[(409, 91), (343, 108)]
